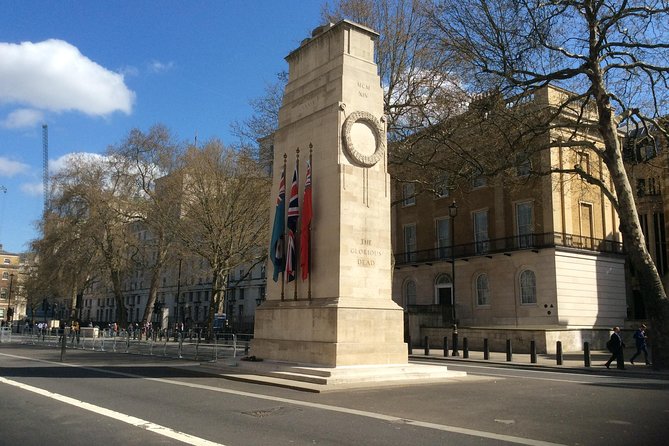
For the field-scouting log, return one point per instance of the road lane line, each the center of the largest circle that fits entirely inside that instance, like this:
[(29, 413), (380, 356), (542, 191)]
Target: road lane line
[(362, 413), (134, 421)]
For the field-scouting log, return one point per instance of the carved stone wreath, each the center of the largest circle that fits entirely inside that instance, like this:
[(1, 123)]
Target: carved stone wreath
[(377, 129)]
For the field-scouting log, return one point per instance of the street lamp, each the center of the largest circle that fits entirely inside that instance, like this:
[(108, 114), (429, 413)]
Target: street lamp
[(453, 212), (10, 310)]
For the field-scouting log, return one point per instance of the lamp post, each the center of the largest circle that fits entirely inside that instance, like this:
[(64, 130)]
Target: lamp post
[(177, 300), (10, 310), (453, 212)]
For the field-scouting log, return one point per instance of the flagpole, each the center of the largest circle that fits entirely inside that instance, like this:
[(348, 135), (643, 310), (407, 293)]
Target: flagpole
[(283, 273), (311, 166), (297, 168)]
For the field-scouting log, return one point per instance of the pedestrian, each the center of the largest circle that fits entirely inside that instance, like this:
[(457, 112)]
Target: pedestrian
[(616, 345), (640, 339)]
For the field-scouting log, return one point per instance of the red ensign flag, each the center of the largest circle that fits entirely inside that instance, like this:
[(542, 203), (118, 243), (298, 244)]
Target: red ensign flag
[(305, 229)]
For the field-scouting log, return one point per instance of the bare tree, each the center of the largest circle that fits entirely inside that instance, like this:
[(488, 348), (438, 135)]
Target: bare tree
[(148, 159), (265, 117), (611, 55), (420, 88), (223, 217), (89, 221)]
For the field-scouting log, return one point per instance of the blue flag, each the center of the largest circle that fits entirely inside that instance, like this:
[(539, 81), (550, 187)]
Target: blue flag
[(277, 246)]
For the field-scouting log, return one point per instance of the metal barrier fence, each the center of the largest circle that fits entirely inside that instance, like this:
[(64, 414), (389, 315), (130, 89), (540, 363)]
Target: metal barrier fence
[(183, 345)]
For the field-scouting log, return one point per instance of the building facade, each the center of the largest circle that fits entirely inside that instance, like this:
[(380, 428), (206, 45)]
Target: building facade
[(12, 303), (541, 253)]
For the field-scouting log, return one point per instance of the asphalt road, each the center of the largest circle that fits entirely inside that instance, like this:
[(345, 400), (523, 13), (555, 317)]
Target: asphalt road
[(102, 398)]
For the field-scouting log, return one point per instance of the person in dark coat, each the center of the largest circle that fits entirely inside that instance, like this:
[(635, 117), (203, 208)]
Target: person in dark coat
[(616, 346), (640, 341)]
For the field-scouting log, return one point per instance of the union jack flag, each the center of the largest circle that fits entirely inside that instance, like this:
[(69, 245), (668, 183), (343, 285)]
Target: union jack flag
[(293, 216)]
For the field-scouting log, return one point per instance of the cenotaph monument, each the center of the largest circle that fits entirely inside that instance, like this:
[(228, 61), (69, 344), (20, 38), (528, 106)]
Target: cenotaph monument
[(343, 315)]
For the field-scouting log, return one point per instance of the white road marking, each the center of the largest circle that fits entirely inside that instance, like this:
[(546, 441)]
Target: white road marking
[(134, 421), (362, 413)]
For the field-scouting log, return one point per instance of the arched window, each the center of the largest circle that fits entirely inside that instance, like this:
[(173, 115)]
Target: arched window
[(409, 293), (482, 290), (5, 275), (528, 287)]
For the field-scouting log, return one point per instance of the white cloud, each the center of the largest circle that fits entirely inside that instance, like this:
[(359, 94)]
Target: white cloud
[(53, 75), (32, 189), (160, 67), (70, 159), (9, 168), (23, 117), (129, 71)]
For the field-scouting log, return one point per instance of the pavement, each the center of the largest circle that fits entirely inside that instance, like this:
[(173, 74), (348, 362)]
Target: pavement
[(571, 362), (296, 377), (313, 381)]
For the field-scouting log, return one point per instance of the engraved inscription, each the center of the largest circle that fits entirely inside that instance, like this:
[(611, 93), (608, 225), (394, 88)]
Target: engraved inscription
[(363, 89), (366, 254)]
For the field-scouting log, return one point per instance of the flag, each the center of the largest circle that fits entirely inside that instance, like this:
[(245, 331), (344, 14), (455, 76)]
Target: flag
[(293, 216), (305, 228), (276, 249)]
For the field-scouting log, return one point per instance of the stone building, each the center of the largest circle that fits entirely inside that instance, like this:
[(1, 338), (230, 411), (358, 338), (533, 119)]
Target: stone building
[(535, 259), (646, 160), (10, 287)]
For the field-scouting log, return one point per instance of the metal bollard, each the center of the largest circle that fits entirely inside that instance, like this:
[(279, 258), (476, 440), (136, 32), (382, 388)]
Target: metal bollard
[(586, 354), (409, 346), (558, 352), (445, 345), (427, 346), (486, 349), (455, 341), (533, 352), (509, 351), (465, 348)]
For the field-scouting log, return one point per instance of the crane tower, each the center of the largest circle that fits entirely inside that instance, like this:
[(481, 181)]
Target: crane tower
[(45, 164)]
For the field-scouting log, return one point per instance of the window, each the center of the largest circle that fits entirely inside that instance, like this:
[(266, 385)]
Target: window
[(584, 162), (641, 187), (5, 275), (478, 180), (410, 243), (409, 293), (482, 290), (528, 287), (444, 237), (6, 261), (481, 232), (408, 194), (3, 293), (441, 188), (524, 167), (241, 294), (524, 225)]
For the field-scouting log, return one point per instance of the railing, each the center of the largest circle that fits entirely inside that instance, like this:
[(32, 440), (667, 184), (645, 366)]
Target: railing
[(508, 245), (165, 343)]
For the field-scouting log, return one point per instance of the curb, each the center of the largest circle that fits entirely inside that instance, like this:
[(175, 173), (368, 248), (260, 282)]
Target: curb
[(592, 370)]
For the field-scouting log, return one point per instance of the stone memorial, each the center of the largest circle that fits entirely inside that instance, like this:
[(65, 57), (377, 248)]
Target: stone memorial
[(332, 111)]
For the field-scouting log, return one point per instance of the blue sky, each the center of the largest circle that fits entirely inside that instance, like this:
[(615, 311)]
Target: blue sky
[(93, 70)]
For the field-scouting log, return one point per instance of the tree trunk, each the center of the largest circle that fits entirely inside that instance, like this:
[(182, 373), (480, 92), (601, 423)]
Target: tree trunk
[(653, 292), (122, 316), (153, 292)]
